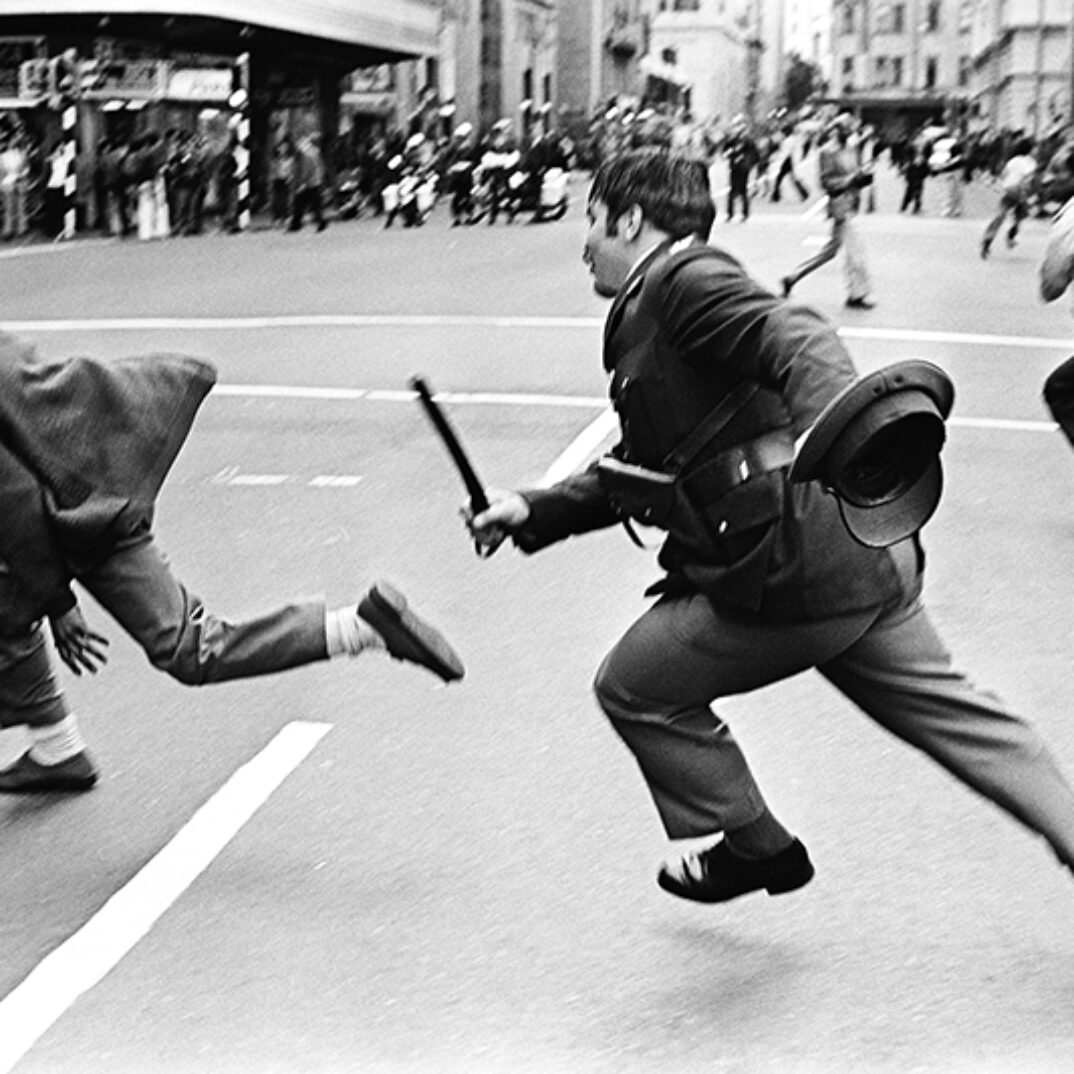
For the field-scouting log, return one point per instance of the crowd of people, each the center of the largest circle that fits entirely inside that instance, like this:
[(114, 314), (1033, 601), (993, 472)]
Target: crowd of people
[(176, 182)]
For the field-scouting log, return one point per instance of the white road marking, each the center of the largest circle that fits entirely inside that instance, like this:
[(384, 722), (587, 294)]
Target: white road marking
[(587, 443), (84, 959), (335, 481), (588, 324), (258, 479), (328, 320)]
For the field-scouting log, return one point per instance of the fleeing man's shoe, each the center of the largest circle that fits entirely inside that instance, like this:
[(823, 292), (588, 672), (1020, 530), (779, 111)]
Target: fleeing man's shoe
[(860, 303), (406, 636), (716, 874), (786, 285), (27, 776)]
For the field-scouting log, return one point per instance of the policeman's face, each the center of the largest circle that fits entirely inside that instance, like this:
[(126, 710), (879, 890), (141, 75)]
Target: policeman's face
[(608, 252)]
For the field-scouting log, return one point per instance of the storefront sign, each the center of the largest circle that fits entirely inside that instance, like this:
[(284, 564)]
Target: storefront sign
[(200, 84), (142, 79)]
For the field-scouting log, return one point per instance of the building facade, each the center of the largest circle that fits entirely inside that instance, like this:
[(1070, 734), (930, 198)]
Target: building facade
[(729, 53), (979, 64), (1022, 55)]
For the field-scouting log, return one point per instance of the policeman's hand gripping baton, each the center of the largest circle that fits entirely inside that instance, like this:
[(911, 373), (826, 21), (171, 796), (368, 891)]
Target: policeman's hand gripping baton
[(478, 500)]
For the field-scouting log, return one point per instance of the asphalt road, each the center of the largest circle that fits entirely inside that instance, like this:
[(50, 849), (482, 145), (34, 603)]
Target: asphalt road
[(353, 868)]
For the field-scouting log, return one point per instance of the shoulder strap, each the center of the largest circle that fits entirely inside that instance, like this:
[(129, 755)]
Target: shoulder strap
[(717, 419), (682, 455)]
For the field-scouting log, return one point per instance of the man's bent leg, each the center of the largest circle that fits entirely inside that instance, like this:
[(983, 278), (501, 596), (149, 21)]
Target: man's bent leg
[(857, 270), (901, 674), (656, 686), (822, 257), (182, 638), (30, 696)]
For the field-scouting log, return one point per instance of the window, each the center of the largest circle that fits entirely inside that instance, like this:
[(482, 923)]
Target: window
[(932, 66), (846, 20), (965, 66), (685, 5), (890, 18), (896, 71), (932, 17), (880, 77)]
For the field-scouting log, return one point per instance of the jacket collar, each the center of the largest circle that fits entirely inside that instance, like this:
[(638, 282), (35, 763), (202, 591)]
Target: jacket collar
[(636, 278)]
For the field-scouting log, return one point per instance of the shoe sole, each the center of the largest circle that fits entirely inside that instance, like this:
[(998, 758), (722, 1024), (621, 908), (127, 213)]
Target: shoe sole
[(781, 886), (38, 780), (385, 608)]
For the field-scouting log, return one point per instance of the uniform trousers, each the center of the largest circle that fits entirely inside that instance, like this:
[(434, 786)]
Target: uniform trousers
[(845, 235), (659, 681), (136, 586)]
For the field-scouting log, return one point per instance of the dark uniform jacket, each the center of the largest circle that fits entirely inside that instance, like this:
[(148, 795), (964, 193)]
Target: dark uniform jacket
[(85, 446), (687, 330)]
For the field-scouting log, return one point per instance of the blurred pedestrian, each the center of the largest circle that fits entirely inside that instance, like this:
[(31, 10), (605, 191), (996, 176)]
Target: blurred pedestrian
[(713, 379), (1015, 184), (85, 446), (309, 184), (282, 178), (740, 151), (915, 171), (842, 179), (789, 160), (14, 176)]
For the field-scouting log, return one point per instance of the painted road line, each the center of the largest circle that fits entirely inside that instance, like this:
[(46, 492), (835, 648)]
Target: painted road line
[(592, 435), (81, 961), (1005, 425), (328, 320), (335, 481), (586, 444), (258, 479), (588, 324)]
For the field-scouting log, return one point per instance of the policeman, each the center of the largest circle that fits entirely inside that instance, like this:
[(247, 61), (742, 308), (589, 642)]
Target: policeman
[(713, 380)]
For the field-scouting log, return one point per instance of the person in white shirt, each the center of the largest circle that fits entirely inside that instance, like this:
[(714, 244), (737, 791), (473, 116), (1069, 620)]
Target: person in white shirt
[(13, 173), (1014, 196)]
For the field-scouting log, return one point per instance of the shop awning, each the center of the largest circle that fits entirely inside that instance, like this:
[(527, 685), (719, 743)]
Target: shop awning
[(396, 28)]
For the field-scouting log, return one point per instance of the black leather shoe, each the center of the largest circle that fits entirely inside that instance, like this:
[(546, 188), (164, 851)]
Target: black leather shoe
[(27, 776), (860, 303), (717, 875), (406, 636), (786, 285)]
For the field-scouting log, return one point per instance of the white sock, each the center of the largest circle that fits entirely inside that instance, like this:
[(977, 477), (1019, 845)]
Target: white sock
[(347, 634), (57, 742)]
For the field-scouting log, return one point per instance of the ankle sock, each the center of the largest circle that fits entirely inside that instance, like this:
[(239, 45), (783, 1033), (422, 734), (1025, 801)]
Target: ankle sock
[(56, 742), (346, 634), (761, 838)]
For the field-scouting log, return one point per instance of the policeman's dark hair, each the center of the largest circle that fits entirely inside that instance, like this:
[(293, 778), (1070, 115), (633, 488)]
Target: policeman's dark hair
[(671, 189)]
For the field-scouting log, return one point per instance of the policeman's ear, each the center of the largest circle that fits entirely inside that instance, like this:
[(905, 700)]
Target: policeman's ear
[(631, 222)]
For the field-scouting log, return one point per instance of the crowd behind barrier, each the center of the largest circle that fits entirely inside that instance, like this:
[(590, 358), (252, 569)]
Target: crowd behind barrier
[(156, 185)]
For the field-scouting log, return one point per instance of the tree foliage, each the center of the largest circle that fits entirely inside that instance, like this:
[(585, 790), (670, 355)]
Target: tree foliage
[(801, 80)]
